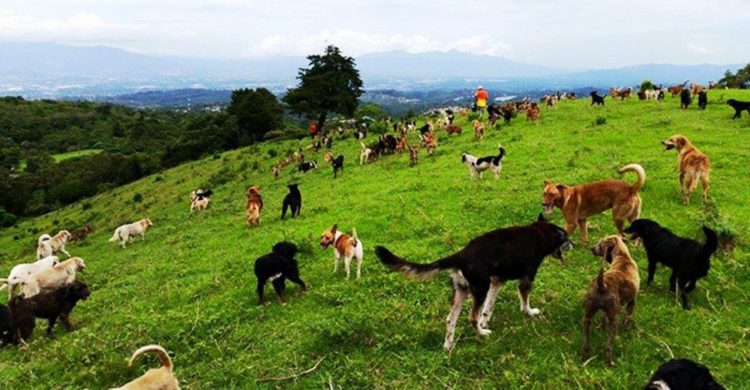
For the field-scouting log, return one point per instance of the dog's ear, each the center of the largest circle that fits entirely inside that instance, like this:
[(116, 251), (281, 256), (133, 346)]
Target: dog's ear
[(540, 218), (561, 187), (546, 183), (334, 228), (608, 253)]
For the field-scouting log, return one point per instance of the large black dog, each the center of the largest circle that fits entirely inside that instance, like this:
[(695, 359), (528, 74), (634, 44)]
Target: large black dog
[(689, 259), (338, 165), (50, 305), (596, 99), (685, 98), (739, 106), (276, 267), (292, 200), (702, 99), (513, 253), (682, 374), (7, 328)]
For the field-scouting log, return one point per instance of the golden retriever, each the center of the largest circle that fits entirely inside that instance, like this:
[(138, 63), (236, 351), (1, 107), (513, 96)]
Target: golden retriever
[(694, 166), (61, 274), (125, 233)]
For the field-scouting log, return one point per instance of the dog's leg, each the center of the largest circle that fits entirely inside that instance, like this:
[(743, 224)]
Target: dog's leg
[(479, 293), (687, 188), (283, 210), (684, 289), (65, 319), (359, 266), (586, 332), (524, 289), (704, 181), (629, 308), (583, 225), (261, 288), (673, 281), (347, 263), (612, 319), (619, 224), (335, 261), (651, 272), (279, 286), (489, 303), (50, 325), (459, 296), (68, 254), (296, 279)]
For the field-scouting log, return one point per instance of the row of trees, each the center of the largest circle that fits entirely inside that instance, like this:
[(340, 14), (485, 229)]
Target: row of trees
[(741, 79)]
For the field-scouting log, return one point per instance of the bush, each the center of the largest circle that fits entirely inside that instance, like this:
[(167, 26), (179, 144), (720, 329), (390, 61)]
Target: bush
[(137, 198), (273, 134), (600, 121), (7, 219), (272, 153)]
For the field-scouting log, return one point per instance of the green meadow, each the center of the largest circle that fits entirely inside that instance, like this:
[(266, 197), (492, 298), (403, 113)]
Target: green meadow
[(65, 156), (190, 286)]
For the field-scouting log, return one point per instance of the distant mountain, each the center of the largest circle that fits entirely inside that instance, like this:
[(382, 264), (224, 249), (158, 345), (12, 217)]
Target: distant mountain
[(49, 70)]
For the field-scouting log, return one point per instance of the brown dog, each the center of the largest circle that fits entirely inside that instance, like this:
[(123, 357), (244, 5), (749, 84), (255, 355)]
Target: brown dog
[(343, 245), (453, 129), (429, 141), (478, 129), (533, 113), (403, 143), (254, 205), (611, 290), (413, 154), (693, 164), (161, 378), (577, 203)]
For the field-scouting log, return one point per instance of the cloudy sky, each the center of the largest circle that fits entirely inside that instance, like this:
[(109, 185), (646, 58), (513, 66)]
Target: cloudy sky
[(579, 34)]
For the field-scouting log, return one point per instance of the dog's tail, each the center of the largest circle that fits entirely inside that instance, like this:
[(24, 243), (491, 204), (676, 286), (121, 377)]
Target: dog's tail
[(354, 237), (638, 169), (44, 237), (502, 153), (415, 270), (712, 241), (115, 236), (158, 350)]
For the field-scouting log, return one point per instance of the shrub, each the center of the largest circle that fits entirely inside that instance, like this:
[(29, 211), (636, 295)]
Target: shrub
[(7, 219), (600, 121), (137, 198), (272, 153)]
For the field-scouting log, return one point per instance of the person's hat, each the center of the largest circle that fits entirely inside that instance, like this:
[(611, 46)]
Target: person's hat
[(480, 87)]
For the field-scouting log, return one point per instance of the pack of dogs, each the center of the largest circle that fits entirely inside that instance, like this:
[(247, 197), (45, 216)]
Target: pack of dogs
[(49, 289)]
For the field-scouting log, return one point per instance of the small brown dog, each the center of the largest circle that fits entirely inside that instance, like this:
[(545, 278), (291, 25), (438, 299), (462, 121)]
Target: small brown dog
[(328, 157), (161, 378), (577, 203), (429, 141), (694, 166), (478, 129), (343, 245), (611, 290), (413, 154), (533, 113), (403, 144), (81, 233), (453, 129), (254, 205)]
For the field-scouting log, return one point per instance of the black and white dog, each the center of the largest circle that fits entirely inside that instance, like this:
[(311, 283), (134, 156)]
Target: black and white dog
[(682, 374), (307, 166), (292, 200), (338, 165), (488, 261), (276, 267), (479, 165)]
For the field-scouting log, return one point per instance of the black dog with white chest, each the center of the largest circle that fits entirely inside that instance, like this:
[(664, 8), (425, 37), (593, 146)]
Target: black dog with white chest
[(688, 259), (292, 200), (682, 374), (487, 261), (276, 267)]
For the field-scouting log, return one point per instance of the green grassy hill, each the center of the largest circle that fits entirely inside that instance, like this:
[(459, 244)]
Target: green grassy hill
[(190, 285)]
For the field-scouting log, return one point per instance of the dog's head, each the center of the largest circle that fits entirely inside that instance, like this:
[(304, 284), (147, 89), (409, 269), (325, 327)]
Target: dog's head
[(675, 142), (640, 228), (146, 222), (560, 240), (552, 196), (64, 235), (293, 187), (328, 237), (252, 192), (606, 247), (77, 291), (286, 249), (88, 229), (79, 264)]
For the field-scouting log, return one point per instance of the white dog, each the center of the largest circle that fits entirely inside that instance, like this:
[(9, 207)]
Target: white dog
[(364, 155), (48, 245), (44, 246), (199, 199), (21, 271), (125, 233), (59, 275), (479, 165)]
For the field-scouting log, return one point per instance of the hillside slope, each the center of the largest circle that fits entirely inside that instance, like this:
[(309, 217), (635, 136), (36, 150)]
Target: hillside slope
[(190, 287)]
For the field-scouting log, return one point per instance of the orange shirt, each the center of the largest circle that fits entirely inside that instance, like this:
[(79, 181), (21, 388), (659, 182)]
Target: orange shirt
[(482, 95)]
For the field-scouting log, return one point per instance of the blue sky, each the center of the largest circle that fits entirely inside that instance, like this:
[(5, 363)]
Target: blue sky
[(571, 34)]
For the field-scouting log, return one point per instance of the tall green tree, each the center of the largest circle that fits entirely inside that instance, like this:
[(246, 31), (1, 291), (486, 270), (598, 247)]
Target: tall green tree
[(330, 84), (741, 79), (256, 112)]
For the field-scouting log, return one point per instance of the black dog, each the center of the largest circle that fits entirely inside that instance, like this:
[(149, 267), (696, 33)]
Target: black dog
[(292, 200), (702, 99), (50, 305), (685, 98), (682, 374), (338, 165), (7, 327), (425, 129), (689, 259), (596, 99), (276, 267), (307, 165), (739, 106), (513, 253)]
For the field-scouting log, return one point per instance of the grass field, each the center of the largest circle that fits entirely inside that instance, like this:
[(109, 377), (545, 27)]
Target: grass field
[(190, 286), (66, 156)]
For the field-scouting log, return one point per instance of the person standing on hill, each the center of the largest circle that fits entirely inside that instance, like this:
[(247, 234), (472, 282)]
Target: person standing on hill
[(480, 100)]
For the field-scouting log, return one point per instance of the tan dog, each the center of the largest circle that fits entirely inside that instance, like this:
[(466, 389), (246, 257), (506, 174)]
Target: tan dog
[(429, 141), (125, 233), (343, 245), (577, 203), (413, 154), (44, 246), (254, 205), (365, 154), (49, 245), (611, 290), (161, 378), (198, 202), (453, 129), (403, 144), (533, 113), (478, 129), (694, 166), (550, 101), (328, 157), (59, 275)]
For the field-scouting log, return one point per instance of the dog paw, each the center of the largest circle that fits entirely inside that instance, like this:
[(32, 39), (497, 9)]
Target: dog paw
[(483, 332), (533, 312), (448, 345)]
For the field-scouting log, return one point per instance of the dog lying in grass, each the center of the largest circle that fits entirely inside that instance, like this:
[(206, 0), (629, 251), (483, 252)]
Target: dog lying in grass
[(682, 374), (611, 291), (488, 261), (276, 267), (343, 245), (577, 203), (293, 201), (50, 305), (688, 259), (21, 271), (161, 378), (693, 164), (125, 233), (61, 274)]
